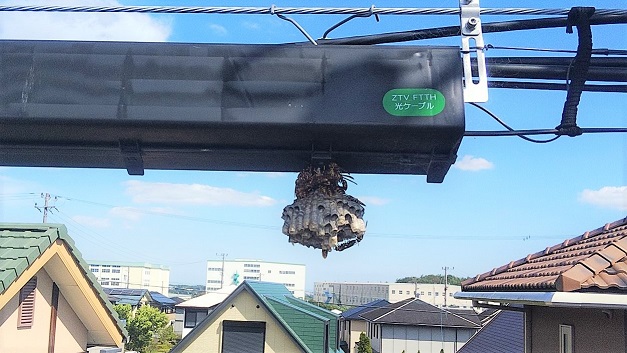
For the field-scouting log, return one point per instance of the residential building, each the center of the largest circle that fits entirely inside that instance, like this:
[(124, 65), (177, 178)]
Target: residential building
[(412, 325), (233, 272), (347, 293), (191, 312), (503, 333), (573, 294), (132, 275), (263, 317), (49, 300), (352, 324)]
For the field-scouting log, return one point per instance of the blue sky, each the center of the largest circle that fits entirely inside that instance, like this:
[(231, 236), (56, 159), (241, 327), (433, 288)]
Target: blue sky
[(503, 199)]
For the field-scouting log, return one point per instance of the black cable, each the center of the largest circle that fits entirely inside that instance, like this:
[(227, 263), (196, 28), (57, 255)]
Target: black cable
[(517, 133), (454, 31), (555, 86), (579, 16), (599, 51)]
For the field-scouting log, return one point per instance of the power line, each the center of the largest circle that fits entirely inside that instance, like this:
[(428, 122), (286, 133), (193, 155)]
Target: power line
[(273, 10)]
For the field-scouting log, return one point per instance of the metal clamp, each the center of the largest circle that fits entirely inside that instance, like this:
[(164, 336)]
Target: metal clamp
[(470, 23)]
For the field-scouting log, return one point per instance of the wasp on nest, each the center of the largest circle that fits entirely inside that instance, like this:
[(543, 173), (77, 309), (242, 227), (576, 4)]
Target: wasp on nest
[(323, 216)]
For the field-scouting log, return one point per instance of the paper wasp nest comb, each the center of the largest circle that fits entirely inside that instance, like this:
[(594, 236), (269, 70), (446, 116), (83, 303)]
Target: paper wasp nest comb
[(323, 216)]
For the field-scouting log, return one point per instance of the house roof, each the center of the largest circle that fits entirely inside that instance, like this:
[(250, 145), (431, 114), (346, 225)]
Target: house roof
[(595, 261), (296, 316), (503, 334), (134, 296), (126, 296), (25, 249), (354, 313), (161, 299), (415, 312)]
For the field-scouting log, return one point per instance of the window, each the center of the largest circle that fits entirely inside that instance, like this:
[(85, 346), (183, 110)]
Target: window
[(115, 283), (566, 339), (429, 293), (104, 283), (214, 281), (106, 270), (194, 317), (393, 291), (214, 269), (116, 270), (450, 294), (406, 292), (26, 310), (422, 293), (287, 272), (243, 336), (95, 269), (436, 294)]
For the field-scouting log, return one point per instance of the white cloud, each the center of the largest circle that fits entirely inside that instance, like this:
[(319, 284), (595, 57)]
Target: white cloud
[(193, 194), (217, 29), (254, 26), (473, 164), (126, 213), (10, 186), (614, 197), (93, 222), (81, 26), (373, 200)]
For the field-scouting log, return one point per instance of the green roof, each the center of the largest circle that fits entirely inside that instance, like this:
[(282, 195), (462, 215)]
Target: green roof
[(303, 321), (22, 244)]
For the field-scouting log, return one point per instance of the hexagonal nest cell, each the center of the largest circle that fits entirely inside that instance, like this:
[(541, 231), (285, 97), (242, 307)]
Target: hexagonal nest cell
[(323, 216)]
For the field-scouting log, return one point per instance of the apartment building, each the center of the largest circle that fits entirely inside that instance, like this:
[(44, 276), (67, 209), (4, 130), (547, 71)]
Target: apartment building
[(132, 275), (233, 272), (347, 293)]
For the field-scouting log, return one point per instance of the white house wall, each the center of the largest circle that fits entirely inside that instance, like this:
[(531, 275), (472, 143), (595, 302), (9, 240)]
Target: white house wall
[(399, 338)]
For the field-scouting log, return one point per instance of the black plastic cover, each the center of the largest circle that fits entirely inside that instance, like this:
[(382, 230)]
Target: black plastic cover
[(230, 107)]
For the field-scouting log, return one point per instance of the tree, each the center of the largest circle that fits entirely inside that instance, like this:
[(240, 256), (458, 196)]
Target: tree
[(144, 327), (123, 310), (363, 346), (432, 279)]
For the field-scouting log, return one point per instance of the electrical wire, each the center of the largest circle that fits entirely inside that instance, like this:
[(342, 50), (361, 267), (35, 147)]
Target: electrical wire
[(517, 133), (277, 228), (454, 31), (296, 10), (600, 51)]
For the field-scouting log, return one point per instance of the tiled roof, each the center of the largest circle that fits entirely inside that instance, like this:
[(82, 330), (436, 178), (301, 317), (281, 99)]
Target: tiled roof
[(22, 244), (503, 334), (415, 312), (354, 313), (593, 262)]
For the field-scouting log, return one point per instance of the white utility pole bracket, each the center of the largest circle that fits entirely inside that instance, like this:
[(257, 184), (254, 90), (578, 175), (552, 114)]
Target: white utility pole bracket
[(470, 23)]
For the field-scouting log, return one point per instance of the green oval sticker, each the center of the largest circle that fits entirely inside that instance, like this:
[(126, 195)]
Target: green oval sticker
[(414, 102)]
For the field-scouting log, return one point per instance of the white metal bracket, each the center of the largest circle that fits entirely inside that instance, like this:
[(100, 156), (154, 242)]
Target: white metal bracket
[(472, 43)]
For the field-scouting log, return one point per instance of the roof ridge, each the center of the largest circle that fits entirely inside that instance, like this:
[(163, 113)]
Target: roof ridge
[(395, 309), (548, 250), (461, 317)]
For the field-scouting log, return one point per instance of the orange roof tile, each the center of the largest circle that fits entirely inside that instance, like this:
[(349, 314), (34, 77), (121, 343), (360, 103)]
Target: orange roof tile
[(593, 261)]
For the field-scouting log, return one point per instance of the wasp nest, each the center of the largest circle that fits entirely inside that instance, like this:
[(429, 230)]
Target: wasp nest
[(323, 216)]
